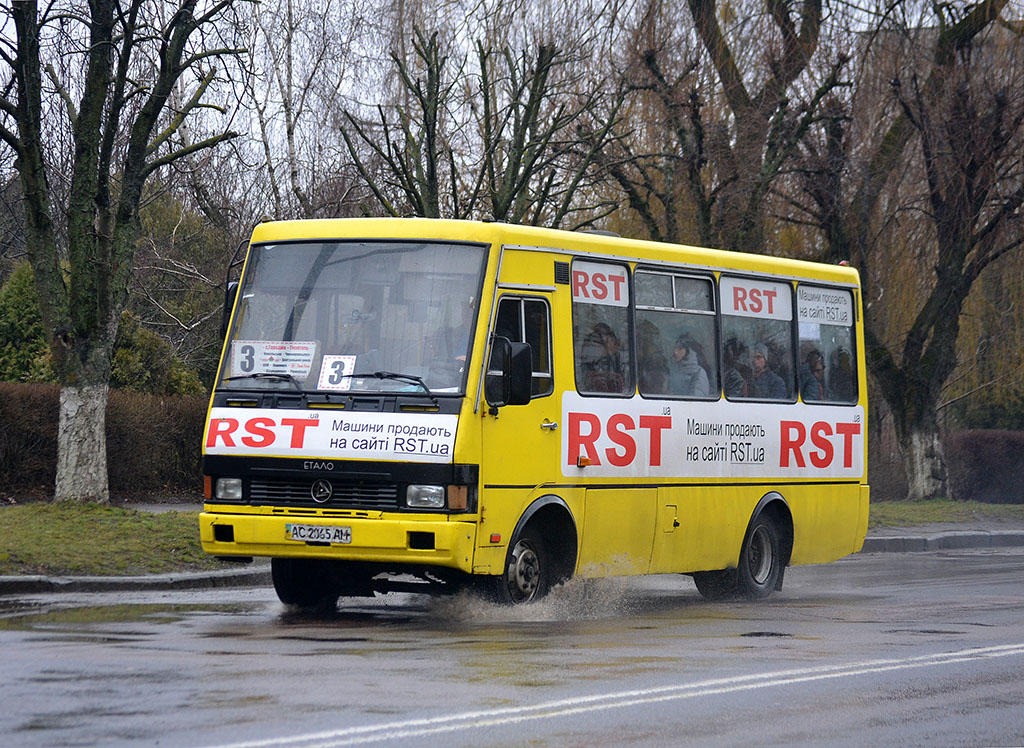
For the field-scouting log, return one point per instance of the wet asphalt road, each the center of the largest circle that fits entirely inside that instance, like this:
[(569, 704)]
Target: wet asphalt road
[(909, 649)]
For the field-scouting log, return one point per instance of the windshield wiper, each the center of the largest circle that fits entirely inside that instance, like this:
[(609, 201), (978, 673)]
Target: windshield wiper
[(411, 378), (277, 376)]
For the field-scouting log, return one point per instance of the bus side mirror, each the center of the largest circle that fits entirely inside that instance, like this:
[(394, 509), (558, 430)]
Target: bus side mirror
[(230, 293), (509, 375), (520, 374)]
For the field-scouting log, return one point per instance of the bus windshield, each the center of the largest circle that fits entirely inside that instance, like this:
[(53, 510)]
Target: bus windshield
[(344, 316)]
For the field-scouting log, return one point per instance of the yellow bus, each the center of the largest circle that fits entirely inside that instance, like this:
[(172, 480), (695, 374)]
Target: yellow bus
[(414, 404)]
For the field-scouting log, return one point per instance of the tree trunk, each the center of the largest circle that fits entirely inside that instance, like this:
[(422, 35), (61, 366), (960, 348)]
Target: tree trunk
[(924, 461), (81, 444)]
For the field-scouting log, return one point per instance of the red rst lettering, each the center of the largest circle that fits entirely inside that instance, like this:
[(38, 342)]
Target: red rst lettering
[(299, 426), (770, 295), (790, 443), (739, 298), (597, 286), (578, 440), (848, 430), (656, 424), (223, 428), (819, 433), (579, 284), (617, 281), (793, 434), (261, 429), (616, 433), (754, 294)]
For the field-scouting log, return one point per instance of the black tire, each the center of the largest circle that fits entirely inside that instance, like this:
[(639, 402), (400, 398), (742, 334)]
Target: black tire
[(716, 585), (761, 561), (303, 582), (528, 571)]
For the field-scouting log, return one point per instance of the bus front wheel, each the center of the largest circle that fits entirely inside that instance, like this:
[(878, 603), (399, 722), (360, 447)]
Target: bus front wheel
[(527, 575), (303, 582)]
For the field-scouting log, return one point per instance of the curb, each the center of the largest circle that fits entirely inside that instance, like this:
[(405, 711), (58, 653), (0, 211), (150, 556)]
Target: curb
[(943, 541), (38, 584)]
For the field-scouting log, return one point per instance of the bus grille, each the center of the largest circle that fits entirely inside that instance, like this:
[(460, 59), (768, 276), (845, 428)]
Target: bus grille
[(299, 493)]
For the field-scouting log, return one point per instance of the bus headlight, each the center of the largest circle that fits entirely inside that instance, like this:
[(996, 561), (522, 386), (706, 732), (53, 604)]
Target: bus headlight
[(229, 489), (425, 497)]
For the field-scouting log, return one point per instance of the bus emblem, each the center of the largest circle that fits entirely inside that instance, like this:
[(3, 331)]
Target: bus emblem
[(321, 491)]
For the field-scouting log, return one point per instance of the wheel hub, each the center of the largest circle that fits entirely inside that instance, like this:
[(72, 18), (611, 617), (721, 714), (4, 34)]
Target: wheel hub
[(524, 573)]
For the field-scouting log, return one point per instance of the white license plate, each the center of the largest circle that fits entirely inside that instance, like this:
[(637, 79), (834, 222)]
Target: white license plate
[(318, 533)]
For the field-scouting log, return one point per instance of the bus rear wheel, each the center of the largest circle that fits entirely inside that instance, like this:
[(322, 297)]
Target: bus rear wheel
[(760, 568), (303, 582), (760, 560), (716, 585)]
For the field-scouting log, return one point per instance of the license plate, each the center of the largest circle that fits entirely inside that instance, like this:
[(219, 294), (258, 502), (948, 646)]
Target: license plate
[(318, 533)]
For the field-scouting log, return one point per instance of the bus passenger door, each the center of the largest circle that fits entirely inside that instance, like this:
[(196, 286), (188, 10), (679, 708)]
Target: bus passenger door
[(520, 443)]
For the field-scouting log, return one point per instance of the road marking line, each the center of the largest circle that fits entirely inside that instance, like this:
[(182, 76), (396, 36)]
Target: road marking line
[(566, 707)]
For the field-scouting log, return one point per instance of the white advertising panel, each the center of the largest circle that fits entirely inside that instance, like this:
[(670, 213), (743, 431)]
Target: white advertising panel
[(399, 437), (669, 439), (599, 283), (751, 297), (824, 306)]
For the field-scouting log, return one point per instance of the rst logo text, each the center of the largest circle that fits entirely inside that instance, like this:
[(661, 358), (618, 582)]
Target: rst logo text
[(259, 432)]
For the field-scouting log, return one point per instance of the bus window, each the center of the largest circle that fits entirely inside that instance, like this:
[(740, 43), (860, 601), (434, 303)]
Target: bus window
[(675, 330), (525, 320), (827, 370), (757, 343), (602, 341)]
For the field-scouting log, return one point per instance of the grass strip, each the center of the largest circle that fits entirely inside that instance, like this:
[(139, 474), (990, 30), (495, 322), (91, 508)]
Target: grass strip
[(95, 539), (69, 539), (909, 513)]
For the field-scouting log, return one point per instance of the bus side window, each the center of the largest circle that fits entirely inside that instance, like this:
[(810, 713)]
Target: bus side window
[(602, 337), (827, 373), (675, 330), (757, 348), (526, 320)]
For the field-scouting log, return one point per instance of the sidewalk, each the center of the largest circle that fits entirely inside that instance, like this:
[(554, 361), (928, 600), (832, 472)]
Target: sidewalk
[(933, 537), (942, 536)]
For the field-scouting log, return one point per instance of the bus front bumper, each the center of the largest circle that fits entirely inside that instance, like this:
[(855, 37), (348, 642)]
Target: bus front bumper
[(384, 539)]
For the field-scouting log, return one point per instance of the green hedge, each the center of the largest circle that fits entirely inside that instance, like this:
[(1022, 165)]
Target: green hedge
[(153, 447), (986, 465), (153, 441)]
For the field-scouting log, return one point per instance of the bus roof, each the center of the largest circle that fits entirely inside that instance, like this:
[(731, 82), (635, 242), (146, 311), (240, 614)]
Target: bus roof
[(573, 242)]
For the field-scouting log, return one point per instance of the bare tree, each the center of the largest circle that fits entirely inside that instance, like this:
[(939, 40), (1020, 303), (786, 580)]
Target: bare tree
[(729, 118), (114, 66), (529, 139), (303, 61), (947, 163)]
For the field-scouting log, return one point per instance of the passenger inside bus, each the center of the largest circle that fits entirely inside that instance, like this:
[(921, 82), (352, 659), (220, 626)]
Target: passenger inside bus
[(601, 359), (652, 363), (841, 385), (766, 384), (812, 376), (735, 374), (687, 377)]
